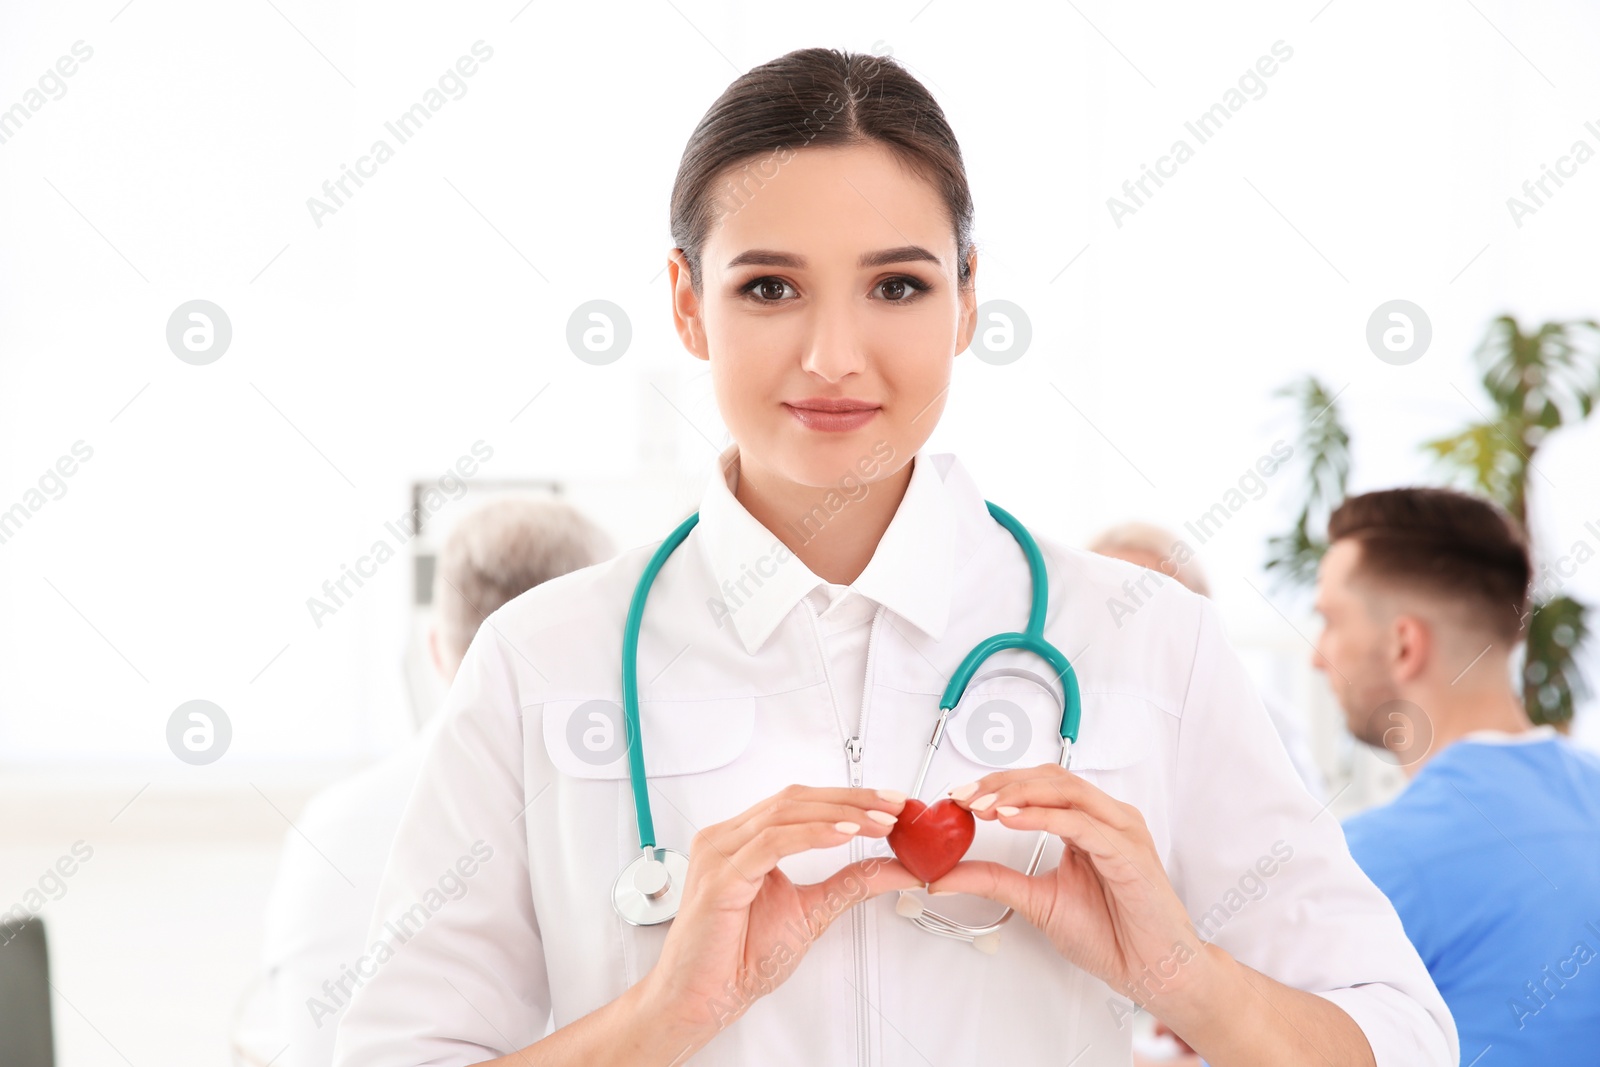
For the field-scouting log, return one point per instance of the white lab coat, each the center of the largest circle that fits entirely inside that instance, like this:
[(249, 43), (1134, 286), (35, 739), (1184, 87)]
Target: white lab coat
[(736, 704)]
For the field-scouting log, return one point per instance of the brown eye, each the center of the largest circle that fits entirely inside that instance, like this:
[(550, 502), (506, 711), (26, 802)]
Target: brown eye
[(901, 289), (767, 290)]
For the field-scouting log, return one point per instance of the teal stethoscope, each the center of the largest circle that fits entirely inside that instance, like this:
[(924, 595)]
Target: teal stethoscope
[(649, 888)]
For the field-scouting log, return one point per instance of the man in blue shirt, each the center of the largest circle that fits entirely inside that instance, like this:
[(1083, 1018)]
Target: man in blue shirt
[(1491, 854)]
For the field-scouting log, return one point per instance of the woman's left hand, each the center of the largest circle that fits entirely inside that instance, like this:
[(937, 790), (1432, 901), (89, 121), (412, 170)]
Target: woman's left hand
[(1108, 907)]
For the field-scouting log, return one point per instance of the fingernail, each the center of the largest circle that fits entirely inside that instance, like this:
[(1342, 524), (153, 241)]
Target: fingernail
[(962, 792), (847, 827), (941, 892), (893, 796), (983, 802), (883, 817), (1006, 809)]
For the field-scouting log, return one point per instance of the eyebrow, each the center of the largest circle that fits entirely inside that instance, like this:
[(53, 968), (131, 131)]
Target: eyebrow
[(763, 257)]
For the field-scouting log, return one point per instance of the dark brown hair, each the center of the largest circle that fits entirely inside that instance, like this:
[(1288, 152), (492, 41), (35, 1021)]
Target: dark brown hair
[(1442, 543), (813, 97)]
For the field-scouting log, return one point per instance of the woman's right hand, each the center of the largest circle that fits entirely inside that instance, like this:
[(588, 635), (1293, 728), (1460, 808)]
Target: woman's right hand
[(743, 926)]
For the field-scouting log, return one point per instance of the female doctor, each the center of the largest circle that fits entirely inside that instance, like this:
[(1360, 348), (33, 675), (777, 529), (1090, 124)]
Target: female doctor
[(790, 660)]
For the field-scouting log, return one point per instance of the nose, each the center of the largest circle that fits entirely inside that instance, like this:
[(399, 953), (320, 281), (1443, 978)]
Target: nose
[(835, 346)]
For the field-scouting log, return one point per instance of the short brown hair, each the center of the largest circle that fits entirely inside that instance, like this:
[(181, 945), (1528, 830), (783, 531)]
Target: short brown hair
[(1443, 543)]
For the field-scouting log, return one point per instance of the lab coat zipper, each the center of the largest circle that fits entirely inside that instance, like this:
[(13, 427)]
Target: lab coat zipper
[(858, 918), (852, 750)]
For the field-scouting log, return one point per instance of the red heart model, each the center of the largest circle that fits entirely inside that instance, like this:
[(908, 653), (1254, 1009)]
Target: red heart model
[(929, 841)]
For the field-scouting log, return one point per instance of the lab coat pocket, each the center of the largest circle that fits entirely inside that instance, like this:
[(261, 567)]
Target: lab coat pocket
[(1012, 722), (1009, 717), (586, 824), (587, 738)]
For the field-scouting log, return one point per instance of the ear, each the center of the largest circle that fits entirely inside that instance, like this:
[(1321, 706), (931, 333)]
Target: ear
[(1414, 647), (686, 306), (967, 324)]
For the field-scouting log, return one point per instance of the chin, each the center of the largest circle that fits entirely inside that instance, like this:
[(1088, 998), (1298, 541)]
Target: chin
[(822, 459)]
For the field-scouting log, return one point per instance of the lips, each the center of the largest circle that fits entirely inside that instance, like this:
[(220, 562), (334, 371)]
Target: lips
[(929, 841), (832, 405), (834, 414)]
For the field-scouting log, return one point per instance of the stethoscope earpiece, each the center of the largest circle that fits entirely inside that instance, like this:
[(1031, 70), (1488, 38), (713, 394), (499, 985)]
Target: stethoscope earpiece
[(910, 907), (988, 944)]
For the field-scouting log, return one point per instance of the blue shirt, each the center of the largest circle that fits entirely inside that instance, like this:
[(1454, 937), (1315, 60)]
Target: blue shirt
[(1492, 858)]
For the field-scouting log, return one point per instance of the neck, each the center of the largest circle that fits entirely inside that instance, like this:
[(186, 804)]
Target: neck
[(834, 542), (1463, 713)]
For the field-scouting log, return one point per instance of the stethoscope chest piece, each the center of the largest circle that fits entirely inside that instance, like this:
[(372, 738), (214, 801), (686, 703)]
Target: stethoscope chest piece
[(648, 890)]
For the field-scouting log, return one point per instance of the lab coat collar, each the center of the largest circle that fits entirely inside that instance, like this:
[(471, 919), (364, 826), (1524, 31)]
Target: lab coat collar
[(911, 573)]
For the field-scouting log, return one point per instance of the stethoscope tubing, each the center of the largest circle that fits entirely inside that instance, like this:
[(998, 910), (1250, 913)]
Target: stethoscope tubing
[(1031, 639)]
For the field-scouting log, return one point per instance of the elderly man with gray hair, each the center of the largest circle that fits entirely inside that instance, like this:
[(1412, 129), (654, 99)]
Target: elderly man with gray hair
[(321, 903)]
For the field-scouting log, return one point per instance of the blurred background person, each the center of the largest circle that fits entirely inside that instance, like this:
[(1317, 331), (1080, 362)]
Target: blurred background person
[(1162, 551), (322, 899), (1491, 853)]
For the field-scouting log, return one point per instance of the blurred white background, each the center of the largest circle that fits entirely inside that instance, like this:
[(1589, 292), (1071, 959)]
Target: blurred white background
[(429, 313)]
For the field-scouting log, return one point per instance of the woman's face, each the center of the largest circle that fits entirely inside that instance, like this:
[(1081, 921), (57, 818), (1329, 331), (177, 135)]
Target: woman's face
[(834, 278)]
